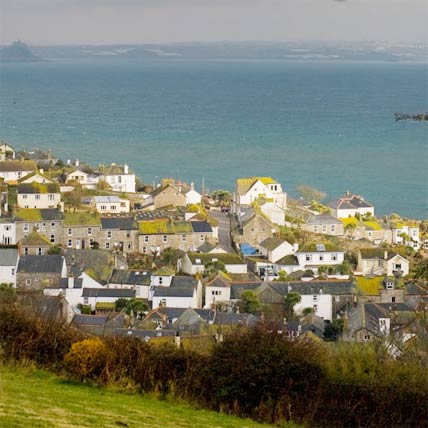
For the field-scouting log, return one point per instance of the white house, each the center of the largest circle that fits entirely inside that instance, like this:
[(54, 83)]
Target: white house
[(192, 196), (320, 303), (87, 181), (39, 196), (93, 296), (276, 248), (313, 256), (7, 232), (275, 213), (217, 291), (194, 263), (406, 234), (8, 264), (118, 177), (36, 177), (12, 171), (248, 190), (136, 279), (111, 205), (6, 151), (351, 205), (380, 261)]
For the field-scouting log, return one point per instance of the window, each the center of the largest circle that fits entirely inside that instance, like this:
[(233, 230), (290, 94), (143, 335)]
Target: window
[(24, 196), (85, 300), (146, 238), (369, 234), (38, 227), (165, 238), (107, 245), (8, 227), (397, 266), (39, 251), (393, 299), (308, 257), (367, 337), (109, 234), (26, 251), (52, 239), (70, 232), (315, 228), (69, 243), (103, 207), (129, 245), (112, 207), (52, 226), (321, 257), (37, 196), (163, 302), (202, 238), (183, 238), (119, 179), (89, 231), (144, 250), (128, 234), (216, 293), (28, 281), (324, 228), (334, 257), (333, 228), (44, 227), (51, 197), (160, 280), (315, 298), (26, 227)]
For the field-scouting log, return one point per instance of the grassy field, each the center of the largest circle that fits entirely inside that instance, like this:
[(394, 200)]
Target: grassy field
[(35, 398)]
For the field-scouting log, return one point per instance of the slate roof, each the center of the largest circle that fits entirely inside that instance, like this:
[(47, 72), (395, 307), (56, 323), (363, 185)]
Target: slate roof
[(313, 287), (8, 256), (350, 202), (35, 239), (34, 187), (237, 288), (132, 277), (289, 260), (89, 319), (77, 283), (272, 243), (173, 292), (183, 281), (40, 264), (323, 219), (206, 247), (120, 223), (225, 318), (106, 199), (243, 185), (34, 215), (108, 292), (201, 227), (97, 262)]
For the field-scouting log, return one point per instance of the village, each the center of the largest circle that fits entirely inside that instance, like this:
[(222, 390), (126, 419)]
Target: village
[(98, 248)]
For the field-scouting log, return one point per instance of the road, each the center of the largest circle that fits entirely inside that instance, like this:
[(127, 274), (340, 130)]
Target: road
[(223, 230)]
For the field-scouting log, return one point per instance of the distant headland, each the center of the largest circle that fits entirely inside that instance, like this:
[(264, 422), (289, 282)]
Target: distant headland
[(403, 116), (18, 52)]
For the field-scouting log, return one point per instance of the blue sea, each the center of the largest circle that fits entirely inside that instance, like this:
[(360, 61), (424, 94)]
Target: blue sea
[(328, 124)]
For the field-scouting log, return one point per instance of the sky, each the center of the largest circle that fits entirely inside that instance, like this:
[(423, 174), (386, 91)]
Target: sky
[(53, 22)]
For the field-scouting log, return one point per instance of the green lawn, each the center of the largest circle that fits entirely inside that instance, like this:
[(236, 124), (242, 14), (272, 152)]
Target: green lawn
[(35, 398)]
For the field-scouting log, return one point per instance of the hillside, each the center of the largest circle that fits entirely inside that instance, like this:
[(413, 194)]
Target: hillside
[(35, 398)]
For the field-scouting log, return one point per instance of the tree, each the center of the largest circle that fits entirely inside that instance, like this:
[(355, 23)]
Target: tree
[(307, 311), (310, 194), (350, 229), (170, 256), (55, 250), (222, 196), (74, 199), (290, 300), (420, 270), (249, 302), (214, 267), (131, 306), (103, 185), (7, 294)]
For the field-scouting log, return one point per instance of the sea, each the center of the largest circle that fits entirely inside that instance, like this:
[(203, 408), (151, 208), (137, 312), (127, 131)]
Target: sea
[(328, 124)]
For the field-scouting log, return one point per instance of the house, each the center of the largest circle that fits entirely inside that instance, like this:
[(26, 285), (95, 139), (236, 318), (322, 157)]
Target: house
[(34, 244), (35, 273), (136, 279), (70, 288), (325, 224), (248, 190), (380, 262), (371, 321), (118, 233), (168, 195), (192, 196), (351, 205), (253, 228), (111, 205), (119, 178), (312, 256), (208, 248), (273, 212), (100, 325), (181, 292), (217, 290), (7, 231), (158, 234), (95, 297), (8, 265), (275, 249), (35, 177), (38, 196), (288, 264), (193, 263), (86, 180), (48, 222), (12, 171), (6, 151), (406, 233), (81, 230)]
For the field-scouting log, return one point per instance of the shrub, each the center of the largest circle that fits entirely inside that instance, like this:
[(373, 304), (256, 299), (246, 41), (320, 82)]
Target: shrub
[(86, 358)]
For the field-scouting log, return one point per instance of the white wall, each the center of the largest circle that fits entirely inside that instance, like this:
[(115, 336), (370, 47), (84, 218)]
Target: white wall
[(322, 302), (322, 258), (8, 275), (121, 183), (216, 295), (175, 302), (7, 234), (39, 200)]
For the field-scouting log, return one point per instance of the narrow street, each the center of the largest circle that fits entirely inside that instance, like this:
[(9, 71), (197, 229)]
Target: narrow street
[(223, 230)]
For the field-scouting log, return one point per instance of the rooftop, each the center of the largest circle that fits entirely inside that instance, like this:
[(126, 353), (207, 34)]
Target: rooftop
[(243, 185), (40, 264), (226, 258)]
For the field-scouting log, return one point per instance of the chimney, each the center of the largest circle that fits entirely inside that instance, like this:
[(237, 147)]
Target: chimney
[(70, 281), (125, 169), (192, 186), (164, 321), (385, 254), (177, 339), (77, 162), (41, 171), (295, 247), (262, 317)]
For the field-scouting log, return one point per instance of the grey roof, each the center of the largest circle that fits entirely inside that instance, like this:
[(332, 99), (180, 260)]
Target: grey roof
[(89, 319), (8, 256), (323, 219), (201, 227), (350, 202), (272, 243), (174, 313), (313, 287), (413, 288), (106, 199), (98, 261), (108, 292), (40, 264), (142, 334), (289, 260), (131, 277), (225, 318), (183, 282), (173, 292), (377, 253), (206, 247), (120, 223)]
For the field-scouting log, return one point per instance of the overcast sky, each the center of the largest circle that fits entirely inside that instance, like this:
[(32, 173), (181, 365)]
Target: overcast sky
[(39, 22)]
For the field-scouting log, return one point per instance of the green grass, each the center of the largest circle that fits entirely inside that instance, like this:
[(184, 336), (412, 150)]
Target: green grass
[(36, 398), (369, 286)]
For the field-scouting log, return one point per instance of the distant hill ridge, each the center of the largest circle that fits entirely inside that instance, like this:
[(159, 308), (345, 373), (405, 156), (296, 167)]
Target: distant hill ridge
[(18, 52)]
